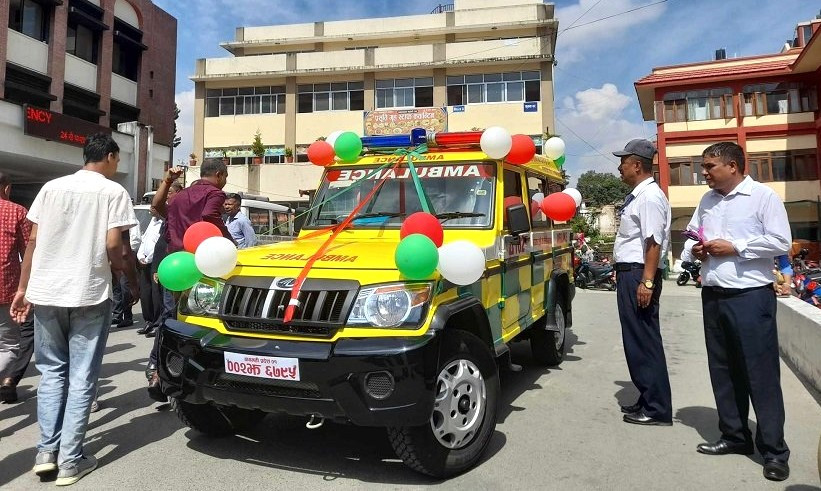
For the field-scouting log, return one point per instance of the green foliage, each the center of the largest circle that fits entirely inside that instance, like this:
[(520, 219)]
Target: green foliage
[(601, 189), (586, 225), (289, 152), (177, 140), (257, 148)]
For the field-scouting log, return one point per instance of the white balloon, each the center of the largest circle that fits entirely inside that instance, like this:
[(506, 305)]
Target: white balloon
[(461, 262), (538, 198), (331, 139), (496, 142), (553, 148), (216, 257), (577, 196)]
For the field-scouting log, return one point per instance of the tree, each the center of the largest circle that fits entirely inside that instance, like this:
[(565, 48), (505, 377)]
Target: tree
[(177, 139), (601, 189)]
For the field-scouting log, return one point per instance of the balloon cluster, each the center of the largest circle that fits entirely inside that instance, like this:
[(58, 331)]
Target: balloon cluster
[(421, 252), (497, 143), (346, 145), (206, 252), (559, 207)]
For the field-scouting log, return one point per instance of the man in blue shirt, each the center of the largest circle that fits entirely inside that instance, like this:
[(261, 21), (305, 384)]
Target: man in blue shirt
[(237, 223)]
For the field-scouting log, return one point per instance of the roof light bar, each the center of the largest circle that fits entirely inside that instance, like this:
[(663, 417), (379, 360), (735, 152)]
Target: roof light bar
[(419, 136)]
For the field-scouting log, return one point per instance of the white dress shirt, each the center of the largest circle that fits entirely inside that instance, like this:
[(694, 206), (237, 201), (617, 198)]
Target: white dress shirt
[(145, 254), (751, 217), (648, 215)]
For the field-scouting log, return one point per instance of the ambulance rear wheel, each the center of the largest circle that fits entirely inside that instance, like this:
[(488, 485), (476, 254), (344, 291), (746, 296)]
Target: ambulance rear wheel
[(466, 396)]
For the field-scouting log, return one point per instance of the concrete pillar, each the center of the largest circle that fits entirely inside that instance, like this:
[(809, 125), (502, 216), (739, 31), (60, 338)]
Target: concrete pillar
[(548, 116), (440, 88), (4, 42), (370, 91), (199, 121), (290, 114), (57, 54)]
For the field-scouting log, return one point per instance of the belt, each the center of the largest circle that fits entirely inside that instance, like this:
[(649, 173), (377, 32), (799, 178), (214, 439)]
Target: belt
[(627, 266), (736, 291)]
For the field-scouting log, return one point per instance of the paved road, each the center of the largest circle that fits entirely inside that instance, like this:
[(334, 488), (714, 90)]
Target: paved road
[(558, 429)]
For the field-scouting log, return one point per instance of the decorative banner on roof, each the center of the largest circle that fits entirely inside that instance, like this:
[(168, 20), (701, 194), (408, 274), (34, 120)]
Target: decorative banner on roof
[(402, 121)]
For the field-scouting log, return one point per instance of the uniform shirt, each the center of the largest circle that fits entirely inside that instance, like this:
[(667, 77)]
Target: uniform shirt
[(145, 254), (751, 217), (647, 215), (15, 231), (241, 230), (201, 202), (73, 215)]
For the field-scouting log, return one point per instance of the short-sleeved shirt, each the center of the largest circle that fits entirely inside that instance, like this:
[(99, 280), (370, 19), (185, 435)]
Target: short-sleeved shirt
[(202, 201), (70, 267), (241, 230), (15, 230), (647, 215)]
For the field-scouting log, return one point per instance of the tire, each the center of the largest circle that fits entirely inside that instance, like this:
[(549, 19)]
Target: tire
[(444, 447), (214, 420), (546, 346), (683, 278), (611, 284)]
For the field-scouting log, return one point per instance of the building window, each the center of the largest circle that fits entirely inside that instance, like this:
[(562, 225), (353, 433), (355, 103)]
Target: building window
[(698, 105), (493, 87), (685, 171), (30, 18), (790, 165), (245, 100), (404, 92), (128, 49), (82, 42), (334, 96), (779, 98)]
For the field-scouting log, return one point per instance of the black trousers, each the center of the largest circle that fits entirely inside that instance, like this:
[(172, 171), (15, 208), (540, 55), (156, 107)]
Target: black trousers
[(150, 294), (121, 299), (17, 368), (643, 349), (742, 354)]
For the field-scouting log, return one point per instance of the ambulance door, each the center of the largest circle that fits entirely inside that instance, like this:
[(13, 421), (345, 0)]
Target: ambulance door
[(516, 267), (541, 237)]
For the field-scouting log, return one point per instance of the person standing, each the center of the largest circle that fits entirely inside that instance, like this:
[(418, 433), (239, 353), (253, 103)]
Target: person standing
[(66, 274), (14, 235), (745, 227), (237, 223), (641, 243), (151, 300), (122, 314)]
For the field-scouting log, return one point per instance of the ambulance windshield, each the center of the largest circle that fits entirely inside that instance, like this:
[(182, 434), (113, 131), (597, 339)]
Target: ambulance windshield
[(460, 195)]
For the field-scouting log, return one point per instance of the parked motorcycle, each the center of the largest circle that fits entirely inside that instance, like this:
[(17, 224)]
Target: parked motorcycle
[(595, 274), (691, 270)]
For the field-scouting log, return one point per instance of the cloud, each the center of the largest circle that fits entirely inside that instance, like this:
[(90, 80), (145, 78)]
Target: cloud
[(185, 124), (598, 104)]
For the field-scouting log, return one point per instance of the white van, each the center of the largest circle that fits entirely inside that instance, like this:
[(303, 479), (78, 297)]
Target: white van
[(271, 222)]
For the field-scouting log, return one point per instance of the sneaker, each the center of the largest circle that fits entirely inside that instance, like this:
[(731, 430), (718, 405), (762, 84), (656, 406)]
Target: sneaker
[(95, 406), (70, 474), (45, 462)]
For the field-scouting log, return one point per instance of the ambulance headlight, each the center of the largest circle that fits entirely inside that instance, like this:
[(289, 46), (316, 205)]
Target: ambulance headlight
[(203, 298), (392, 305)]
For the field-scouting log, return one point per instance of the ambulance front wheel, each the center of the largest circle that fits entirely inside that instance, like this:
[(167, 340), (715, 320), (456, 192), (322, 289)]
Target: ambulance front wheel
[(548, 346), (216, 420), (463, 419)]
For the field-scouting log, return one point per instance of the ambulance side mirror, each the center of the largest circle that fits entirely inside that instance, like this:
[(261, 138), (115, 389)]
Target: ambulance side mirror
[(517, 219)]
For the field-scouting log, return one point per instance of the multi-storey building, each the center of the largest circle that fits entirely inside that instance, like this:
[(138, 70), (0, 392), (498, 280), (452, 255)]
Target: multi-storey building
[(473, 64), (69, 68), (767, 104)]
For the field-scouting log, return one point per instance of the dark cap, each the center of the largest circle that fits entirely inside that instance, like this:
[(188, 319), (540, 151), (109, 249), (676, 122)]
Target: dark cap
[(640, 147)]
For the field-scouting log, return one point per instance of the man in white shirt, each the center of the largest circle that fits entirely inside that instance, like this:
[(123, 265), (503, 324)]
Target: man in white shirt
[(151, 293), (744, 226), (641, 243), (76, 241)]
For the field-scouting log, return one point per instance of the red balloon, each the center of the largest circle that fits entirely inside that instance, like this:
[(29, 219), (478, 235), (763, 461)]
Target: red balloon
[(198, 232), (425, 224), (522, 150), (333, 175), (559, 206), (321, 153)]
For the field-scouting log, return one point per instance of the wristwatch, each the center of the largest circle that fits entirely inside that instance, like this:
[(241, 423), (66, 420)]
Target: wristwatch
[(648, 284)]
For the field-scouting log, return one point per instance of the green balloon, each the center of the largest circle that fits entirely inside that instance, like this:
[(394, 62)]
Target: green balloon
[(416, 257), (348, 146), (178, 271), (559, 162)]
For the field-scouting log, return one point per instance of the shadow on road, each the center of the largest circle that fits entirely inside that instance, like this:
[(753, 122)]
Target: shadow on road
[(705, 421)]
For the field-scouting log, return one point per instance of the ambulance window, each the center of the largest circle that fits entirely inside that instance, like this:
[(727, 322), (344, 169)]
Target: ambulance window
[(513, 183), (536, 185), (260, 220)]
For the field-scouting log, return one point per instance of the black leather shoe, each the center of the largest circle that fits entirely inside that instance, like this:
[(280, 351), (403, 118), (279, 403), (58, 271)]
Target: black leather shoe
[(776, 470), (151, 333), (723, 447), (633, 408), (640, 418), (147, 327)]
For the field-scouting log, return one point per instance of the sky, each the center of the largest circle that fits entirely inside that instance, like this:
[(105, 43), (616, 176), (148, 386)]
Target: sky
[(603, 47)]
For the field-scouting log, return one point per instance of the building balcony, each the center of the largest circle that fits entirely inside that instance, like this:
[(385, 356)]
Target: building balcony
[(123, 90), (428, 55), (81, 73), (27, 52)]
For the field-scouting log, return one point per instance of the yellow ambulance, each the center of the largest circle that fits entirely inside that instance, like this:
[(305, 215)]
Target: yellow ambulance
[(366, 345)]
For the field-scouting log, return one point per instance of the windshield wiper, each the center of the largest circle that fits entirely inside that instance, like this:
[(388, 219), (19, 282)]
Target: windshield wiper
[(457, 214), (378, 214)]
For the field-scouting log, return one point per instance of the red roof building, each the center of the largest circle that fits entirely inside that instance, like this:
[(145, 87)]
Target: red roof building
[(768, 104)]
